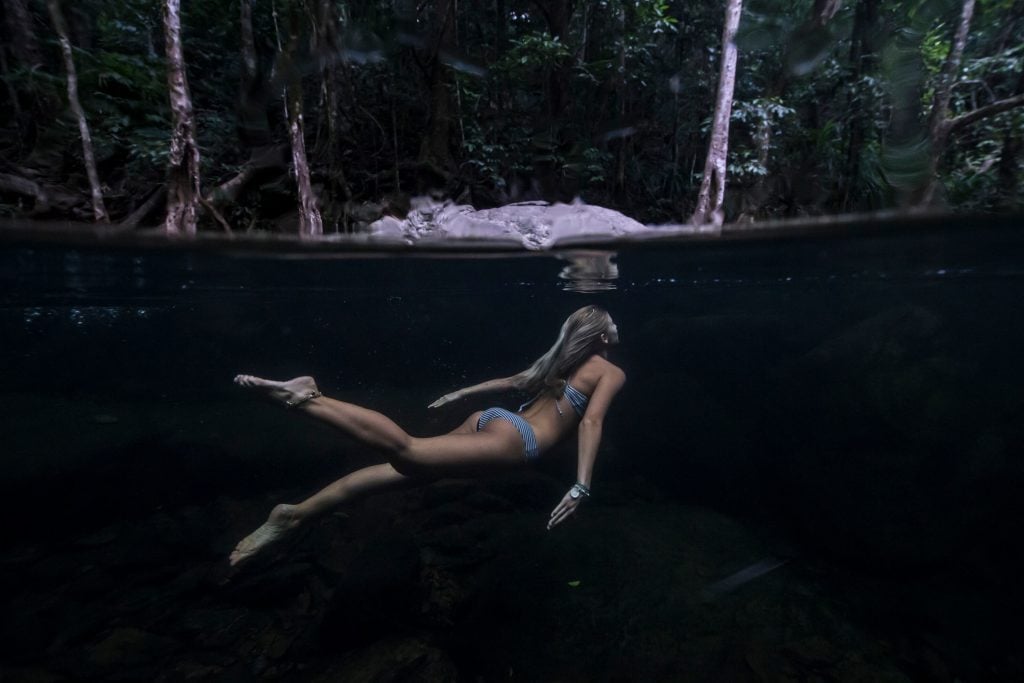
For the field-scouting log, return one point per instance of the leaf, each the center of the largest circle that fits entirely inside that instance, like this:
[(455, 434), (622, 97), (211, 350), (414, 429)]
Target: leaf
[(574, 584)]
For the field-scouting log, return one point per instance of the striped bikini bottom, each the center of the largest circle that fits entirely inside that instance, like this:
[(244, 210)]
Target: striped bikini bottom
[(530, 449)]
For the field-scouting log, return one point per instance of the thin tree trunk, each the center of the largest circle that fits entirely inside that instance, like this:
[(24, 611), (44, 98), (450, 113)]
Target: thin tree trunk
[(252, 123), (310, 221), (183, 187), (1009, 188), (711, 198), (863, 61), (249, 62), (620, 94), (99, 211), (24, 46), (11, 92), (937, 125), (328, 49), (501, 42), (824, 10), (435, 146), (24, 51), (558, 14)]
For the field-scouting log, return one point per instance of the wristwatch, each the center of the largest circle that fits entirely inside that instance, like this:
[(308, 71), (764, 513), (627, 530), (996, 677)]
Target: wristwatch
[(579, 490)]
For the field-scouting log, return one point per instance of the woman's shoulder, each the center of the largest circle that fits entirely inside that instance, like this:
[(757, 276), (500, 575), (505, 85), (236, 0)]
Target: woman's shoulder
[(597, 366)]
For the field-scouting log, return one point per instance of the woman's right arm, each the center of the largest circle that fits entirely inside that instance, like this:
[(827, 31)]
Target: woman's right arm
[(500, 384), (590, 429)]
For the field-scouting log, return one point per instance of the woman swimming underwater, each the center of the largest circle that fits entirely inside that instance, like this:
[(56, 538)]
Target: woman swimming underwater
[(572, 386)]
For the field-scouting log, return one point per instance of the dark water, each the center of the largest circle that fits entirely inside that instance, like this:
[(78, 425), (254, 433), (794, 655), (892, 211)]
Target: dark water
[(814, 471)]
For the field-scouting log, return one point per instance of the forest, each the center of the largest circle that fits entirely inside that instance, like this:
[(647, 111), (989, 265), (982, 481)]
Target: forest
[(320, 116)]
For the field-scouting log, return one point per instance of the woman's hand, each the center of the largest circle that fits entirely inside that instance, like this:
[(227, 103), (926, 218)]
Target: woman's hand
[(564, 509), (447, 398)]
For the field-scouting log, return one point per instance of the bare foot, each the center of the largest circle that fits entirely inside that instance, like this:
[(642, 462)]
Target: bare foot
[(281, 521), (292, 392)]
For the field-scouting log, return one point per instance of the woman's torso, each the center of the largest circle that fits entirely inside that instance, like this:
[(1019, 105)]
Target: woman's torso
[(552, 418)]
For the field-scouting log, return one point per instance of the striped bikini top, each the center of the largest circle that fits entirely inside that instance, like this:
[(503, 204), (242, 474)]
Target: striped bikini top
[(577, 399)]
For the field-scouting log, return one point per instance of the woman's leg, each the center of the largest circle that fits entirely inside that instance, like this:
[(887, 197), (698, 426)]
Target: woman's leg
[(457, 453), (286, 518), (364, 482)]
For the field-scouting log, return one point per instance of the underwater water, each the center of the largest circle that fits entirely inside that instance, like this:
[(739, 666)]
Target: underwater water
[(814, 471)]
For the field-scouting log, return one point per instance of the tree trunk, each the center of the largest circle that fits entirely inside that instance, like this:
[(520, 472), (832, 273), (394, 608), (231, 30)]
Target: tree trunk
[(711, 198), (862, 59), (23, 49), (183, 189), (558, 14), (5, 72), (310, 221), (252, 120), (500, 29), (940, 126), (435, 146), (620, 95), (1009, 188), (24, 46), (327, 51), (937, 124), (99, 211), (249, 61)]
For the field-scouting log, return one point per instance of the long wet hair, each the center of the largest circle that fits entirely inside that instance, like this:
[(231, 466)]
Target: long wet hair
[(578, 340)]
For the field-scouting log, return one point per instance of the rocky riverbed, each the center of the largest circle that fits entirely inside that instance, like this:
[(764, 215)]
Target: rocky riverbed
[(457, 581)]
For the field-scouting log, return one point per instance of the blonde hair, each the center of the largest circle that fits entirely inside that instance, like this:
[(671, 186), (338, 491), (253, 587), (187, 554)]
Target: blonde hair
[(578, 340)]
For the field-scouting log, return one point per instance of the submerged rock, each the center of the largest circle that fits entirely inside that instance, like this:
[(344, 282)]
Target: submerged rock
[(537, 225), (130, 646), (394, 659)]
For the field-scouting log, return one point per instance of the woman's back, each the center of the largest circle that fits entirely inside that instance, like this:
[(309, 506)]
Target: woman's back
[(552, 418)]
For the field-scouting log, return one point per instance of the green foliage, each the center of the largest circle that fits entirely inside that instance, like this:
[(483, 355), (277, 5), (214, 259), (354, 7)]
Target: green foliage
[(635, 81), (128, 98), (529, 53)]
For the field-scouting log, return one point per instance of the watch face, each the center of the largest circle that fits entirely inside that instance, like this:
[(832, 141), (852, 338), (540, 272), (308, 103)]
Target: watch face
[(574, 493)]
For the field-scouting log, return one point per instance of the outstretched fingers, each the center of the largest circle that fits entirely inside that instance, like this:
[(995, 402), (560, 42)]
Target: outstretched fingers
[(563, 511)]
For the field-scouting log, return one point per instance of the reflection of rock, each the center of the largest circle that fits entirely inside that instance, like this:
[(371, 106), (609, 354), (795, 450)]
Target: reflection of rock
[(536, 224), (589, 271)]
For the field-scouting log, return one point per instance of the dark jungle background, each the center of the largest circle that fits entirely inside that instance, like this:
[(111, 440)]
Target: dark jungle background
[(838, 106)]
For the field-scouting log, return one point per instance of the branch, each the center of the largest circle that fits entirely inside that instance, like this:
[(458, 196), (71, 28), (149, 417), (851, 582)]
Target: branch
[(216, 214), (139, 214), (24, 186), (983, 113), (824, 10), (229, 191), (950, 67)]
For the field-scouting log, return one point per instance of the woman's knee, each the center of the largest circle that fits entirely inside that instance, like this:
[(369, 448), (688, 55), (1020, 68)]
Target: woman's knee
[(405, 459)]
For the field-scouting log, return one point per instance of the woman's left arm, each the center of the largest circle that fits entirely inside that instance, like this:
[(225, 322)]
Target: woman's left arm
[(590, 439), (501, 384)]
